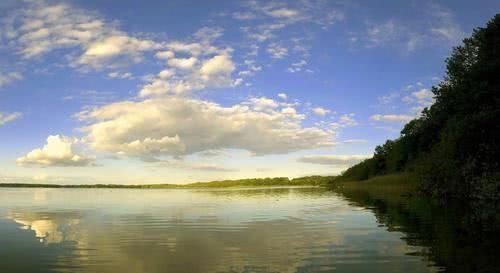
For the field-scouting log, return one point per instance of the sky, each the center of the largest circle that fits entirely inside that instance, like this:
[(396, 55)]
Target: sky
[(135, 92)]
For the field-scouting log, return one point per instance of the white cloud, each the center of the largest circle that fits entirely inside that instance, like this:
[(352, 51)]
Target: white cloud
[(262, 104), (355, 141), (297, 66), (220, 64), (424, 96), (391, 118), (160, 87), (269, 18), (93, 97), (388, 98), (378, 34), (292, 112), (277, 51), (283, 13), (445, 28), (346, 120), (320, 111), (344, 160), (8, 117), (182, 63), (436, 26), (59, 151), (167, 73), (110, 47), (251, 69), (120, 75), (282, 96), (451, 33), (322, 13), (9, 77), (196, 72), (419, 99), (243, 15), (38, 28), (237, 82), (264, 32), (181, 126), (210, 153), (191, 48), (164, 55)]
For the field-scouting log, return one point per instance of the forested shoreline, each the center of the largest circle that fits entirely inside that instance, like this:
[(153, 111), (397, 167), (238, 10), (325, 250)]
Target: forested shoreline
[(252, 182), (453, 148)]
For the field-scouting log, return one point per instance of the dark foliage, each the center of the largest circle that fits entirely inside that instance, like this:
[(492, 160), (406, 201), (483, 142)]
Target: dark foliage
[(454, 146)]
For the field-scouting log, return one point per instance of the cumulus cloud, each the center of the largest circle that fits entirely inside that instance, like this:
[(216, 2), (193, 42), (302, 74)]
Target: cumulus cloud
[(391, 118), (344, 160), (421, 99), (182, 63), (202, 66), (346, 120), (8, 117), (59, 151), (262, 104), (220, 64), (38, 28), (164, 55), (167, 73), (282, 96), (179, 126), (190, 48), (110, 47), (292, 112), (215, 71), (320, 111)]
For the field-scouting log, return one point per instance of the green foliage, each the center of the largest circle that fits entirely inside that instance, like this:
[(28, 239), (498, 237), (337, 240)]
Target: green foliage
[(454, 145)]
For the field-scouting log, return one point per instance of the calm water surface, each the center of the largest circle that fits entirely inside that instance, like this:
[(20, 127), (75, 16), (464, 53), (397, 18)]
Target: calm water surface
[(237, 230)]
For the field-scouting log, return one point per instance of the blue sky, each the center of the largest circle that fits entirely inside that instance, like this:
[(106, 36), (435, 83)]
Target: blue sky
[(181, 91)]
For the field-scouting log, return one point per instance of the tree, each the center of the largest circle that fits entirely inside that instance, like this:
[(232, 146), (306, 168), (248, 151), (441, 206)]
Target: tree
[(454, 146)]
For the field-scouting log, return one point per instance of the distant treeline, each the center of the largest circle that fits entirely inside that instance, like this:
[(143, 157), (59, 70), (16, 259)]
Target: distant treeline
[(453, 148), (253, 182)]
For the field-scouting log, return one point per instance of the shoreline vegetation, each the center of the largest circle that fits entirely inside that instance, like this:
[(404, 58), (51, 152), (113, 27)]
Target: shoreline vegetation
[(452, 149), (252, 182), (457, 237)]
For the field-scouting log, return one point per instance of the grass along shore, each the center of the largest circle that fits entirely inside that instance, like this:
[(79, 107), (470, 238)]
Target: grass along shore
[(388, 187)]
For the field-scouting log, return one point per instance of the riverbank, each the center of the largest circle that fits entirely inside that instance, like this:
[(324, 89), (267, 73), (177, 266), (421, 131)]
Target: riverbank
[(388, 187)]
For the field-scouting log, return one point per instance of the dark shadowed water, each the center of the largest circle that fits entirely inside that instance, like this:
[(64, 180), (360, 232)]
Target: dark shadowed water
[(177, 230)]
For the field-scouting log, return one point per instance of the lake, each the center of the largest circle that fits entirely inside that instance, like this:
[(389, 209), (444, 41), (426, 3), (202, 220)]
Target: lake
[(221, 230)]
